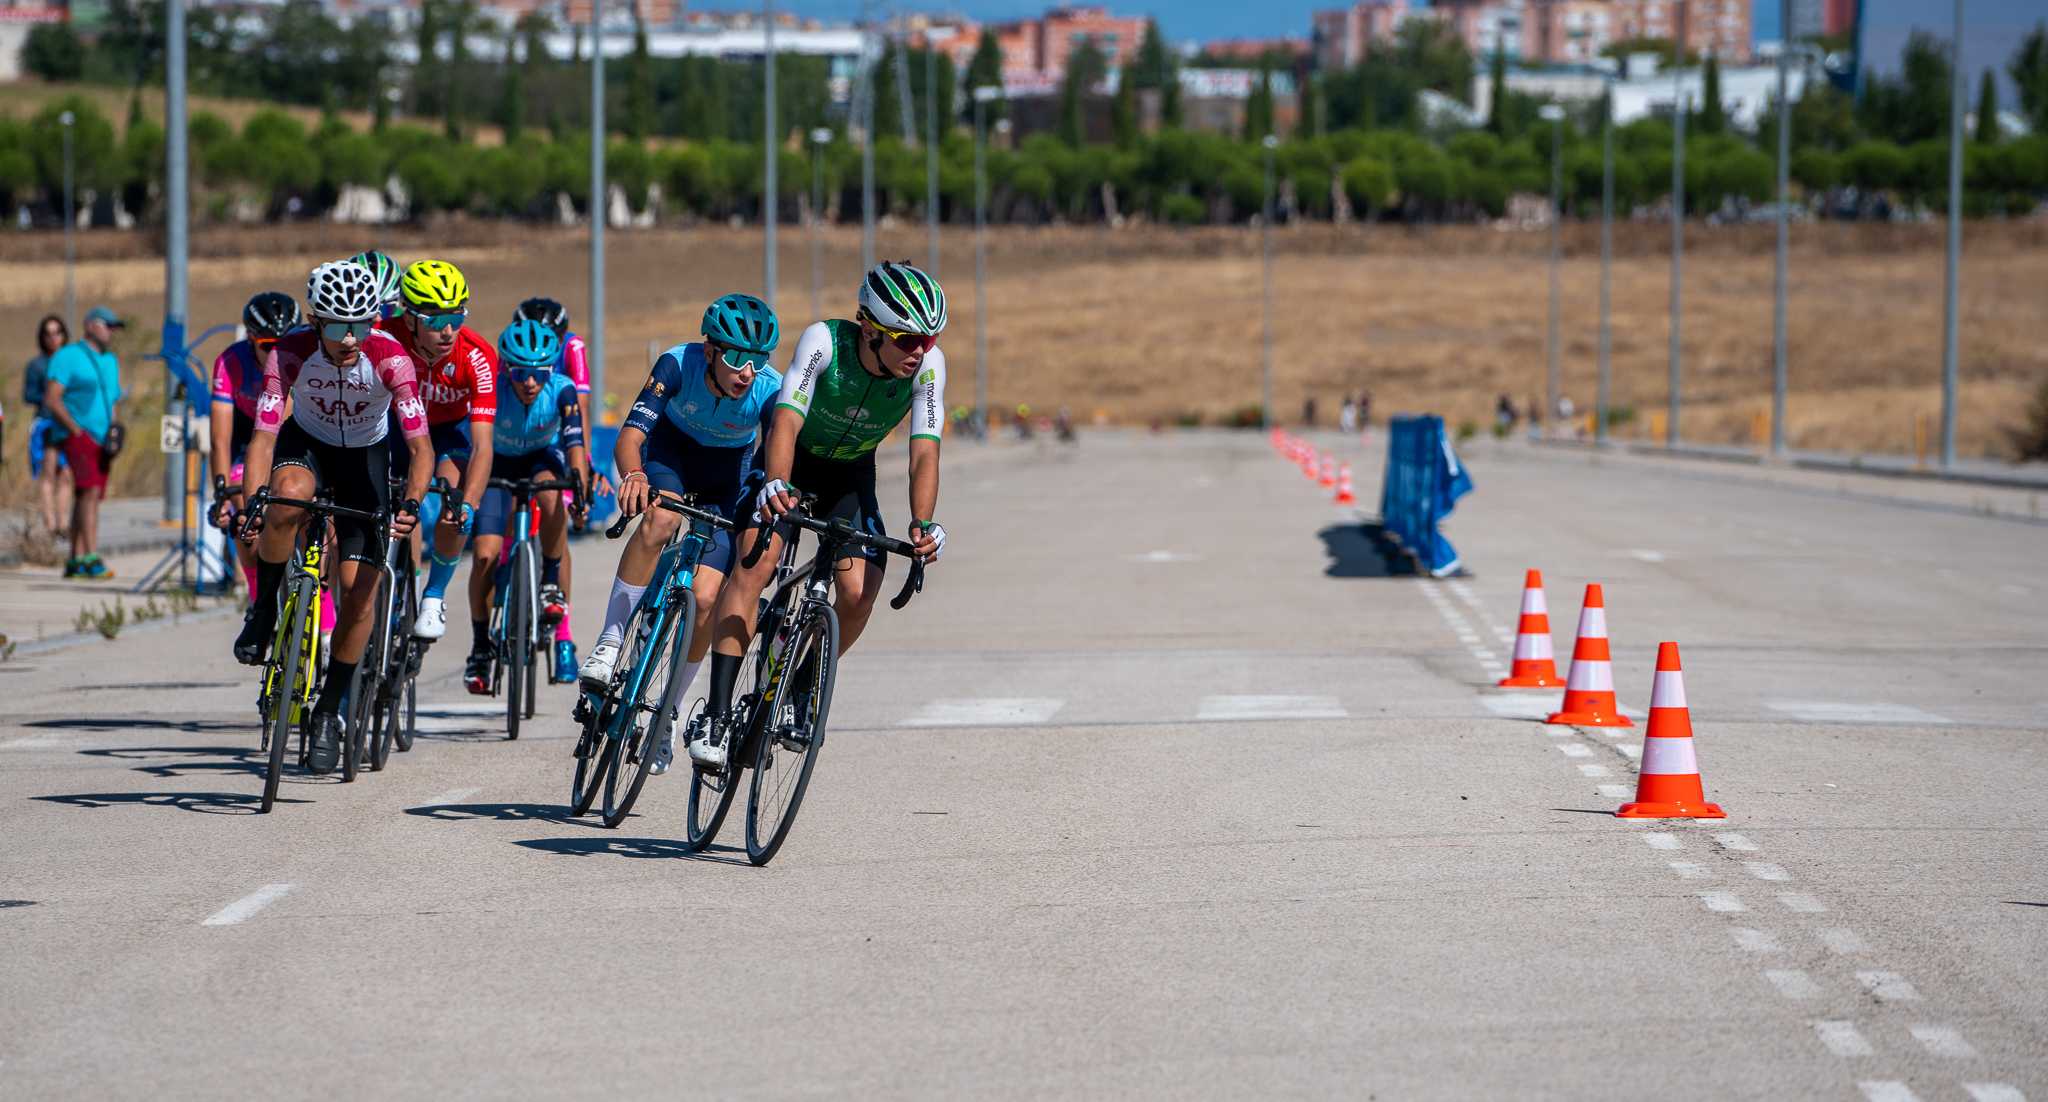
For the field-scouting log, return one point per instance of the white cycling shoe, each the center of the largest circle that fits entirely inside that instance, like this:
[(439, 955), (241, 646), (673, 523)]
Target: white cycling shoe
[(664, 752), (706, 754), (597, 669), (432, 622)]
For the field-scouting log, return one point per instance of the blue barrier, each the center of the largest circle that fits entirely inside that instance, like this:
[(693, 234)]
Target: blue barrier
[(603, 441), (1424, 480)]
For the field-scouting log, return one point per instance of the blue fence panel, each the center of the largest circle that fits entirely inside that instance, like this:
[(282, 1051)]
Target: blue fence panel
[(1424, 481), (603, 440)]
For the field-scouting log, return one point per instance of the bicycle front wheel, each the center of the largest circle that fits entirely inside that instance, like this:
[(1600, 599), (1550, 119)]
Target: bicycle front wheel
[(373, 690), (518, 640), (711, 794), (792, 732), (288, 648), (653, 715)]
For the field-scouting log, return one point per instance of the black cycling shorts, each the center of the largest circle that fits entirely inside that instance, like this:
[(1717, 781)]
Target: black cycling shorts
[(844, 488), (357, 478)]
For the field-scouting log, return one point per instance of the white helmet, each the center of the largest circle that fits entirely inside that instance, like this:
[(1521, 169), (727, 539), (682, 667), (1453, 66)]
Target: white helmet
[(343, 290), (900, 296)]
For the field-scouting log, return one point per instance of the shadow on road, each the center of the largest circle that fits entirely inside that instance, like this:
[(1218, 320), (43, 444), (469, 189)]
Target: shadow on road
[(206, 803), (504, 813), (139, 723), (229, 759), (1363, 551), (635, 847)]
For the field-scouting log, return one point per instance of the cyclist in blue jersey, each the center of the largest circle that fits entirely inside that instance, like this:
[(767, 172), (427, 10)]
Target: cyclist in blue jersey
[(692, 430), (539, 433)]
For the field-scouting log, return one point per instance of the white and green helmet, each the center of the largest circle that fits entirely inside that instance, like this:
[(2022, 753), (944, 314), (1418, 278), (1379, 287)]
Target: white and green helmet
[(900, 296)]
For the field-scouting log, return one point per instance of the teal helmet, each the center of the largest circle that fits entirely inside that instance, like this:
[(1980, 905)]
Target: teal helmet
[(902, 297), (530, 344), (745, 325), (385, 271)]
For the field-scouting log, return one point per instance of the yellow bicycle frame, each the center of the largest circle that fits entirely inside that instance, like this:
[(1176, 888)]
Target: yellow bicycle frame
[(306, 621)]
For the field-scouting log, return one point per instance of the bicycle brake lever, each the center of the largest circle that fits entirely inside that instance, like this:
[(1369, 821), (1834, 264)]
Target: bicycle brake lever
[(911, 586), (618, 527)]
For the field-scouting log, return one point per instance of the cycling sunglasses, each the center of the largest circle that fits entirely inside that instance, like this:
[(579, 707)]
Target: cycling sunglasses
[(340, 330), (451, 320), (906, 340), (528, 374), (263, 345), (746, 359)]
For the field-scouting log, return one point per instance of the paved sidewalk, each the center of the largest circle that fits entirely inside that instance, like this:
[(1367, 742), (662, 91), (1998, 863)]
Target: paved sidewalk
[(126, 524), (39, 607)]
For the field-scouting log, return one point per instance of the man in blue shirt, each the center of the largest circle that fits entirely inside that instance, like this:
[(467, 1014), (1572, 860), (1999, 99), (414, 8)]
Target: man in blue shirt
[(82, 396), (692, 430)]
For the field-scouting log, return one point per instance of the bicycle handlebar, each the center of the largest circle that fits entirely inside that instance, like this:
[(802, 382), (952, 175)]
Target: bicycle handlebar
[(839, 530), (686, 508), (263, 499)]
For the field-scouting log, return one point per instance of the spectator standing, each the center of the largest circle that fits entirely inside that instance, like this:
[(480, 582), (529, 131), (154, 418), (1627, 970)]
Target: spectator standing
[(1308, 412), (1347, 416), (46, 464), (83, 397), (1364, 409)]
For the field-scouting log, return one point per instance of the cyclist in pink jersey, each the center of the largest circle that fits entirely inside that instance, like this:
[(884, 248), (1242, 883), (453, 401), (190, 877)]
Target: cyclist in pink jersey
[(345, 380)]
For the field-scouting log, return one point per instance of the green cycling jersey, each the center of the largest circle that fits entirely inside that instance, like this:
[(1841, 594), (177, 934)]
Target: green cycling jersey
[(848, 412)]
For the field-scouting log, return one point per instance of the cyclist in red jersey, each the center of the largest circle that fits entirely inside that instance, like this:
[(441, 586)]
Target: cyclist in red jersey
[(457, 372)]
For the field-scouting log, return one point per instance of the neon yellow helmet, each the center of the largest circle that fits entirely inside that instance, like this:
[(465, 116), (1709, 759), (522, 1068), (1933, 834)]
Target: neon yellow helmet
[(434, 285)]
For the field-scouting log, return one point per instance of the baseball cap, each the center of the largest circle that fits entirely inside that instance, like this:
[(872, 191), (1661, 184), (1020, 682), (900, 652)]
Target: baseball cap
[(103, 314)]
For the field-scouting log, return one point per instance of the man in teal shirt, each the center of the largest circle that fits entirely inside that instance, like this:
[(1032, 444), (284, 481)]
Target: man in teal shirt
[(83, 396)]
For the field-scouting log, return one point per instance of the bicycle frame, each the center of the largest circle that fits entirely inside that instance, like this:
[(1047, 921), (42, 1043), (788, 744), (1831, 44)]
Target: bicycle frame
[(674, 572), (308, 563)]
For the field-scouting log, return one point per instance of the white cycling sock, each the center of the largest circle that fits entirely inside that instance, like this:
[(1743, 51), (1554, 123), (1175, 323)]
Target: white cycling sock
[(624, 597), (689, 674)]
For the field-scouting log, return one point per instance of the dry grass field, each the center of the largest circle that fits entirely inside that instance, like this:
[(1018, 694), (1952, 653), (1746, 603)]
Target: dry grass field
[(1144, 324)]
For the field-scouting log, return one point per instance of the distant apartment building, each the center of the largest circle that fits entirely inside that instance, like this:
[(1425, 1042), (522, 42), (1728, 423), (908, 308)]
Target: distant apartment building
[(1549, 32), (1251, 51), (1718, 27), (1342, 37), (1035, 47)]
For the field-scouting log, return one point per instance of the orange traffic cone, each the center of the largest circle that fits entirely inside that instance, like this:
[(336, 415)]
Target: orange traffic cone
[(1329, 478), (1308, 462), (1589, 691), (1534, 666), (1344, 486), (1669, 785)]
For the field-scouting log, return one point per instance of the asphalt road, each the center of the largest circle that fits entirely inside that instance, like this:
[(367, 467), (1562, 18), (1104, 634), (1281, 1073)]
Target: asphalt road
[(1162, 788)]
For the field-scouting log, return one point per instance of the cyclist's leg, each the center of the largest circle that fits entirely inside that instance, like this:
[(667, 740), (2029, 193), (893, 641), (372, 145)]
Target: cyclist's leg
[(451, 451), (294, 474), (359, 482), (859, 578)]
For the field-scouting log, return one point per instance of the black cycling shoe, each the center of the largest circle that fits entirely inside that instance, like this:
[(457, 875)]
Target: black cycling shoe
[(324, 746), (476, 672), (254, 641)]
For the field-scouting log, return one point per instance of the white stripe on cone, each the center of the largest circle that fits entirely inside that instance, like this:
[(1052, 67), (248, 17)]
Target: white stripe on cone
[(1533, 602), (1669, 690), (1591, 676), (1670, 757), (1532, 647), (1593, 623)]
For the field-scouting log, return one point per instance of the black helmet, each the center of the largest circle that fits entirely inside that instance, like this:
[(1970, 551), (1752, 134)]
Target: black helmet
[(546, 311), (271, 314)]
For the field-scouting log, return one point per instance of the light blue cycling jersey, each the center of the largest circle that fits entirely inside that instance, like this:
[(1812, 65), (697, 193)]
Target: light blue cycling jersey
[(678, 391), (524, 428)]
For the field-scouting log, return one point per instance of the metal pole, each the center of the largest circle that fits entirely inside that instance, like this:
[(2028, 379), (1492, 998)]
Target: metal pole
[(981, 99), (867, 159), (818, 139), (599, 211), (1950, 338), (70, 232), (175, 202), (1779, 342), (771, 195), (1266, 290), (931, 155), (1680, 104), (1600, 398), (1551, 379)]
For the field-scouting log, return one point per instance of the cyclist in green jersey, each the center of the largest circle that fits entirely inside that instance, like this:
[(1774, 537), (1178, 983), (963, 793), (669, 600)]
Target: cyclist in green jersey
[(849, 385)]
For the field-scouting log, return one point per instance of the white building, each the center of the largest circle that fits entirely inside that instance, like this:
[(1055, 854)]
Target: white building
[(1746, 91)]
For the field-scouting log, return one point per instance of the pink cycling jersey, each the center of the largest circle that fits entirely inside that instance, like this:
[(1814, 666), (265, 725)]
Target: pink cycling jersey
[(574, 362), (238, 377), (346, 407)]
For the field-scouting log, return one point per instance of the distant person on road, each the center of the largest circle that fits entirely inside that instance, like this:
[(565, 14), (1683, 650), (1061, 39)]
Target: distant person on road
[(1504, 414), (1308, 412), (1565, 410), (46, 463), (1364, 409), (82, 394), (1347, 416)]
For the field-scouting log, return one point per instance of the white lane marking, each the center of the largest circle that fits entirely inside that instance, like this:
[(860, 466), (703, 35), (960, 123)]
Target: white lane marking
[(1524, 705), (1163, 557), (1735, 842), (993, 711), (1645, 555), (1594, 771), (1691, 870), (1792, 983), (2015, 590), (452, 796), (1994, 1092), (451, 719), (1756, 941), (1269, 707), (1661, 840), (1575, 749), (241, 909), (35, 742), (1841, 939), (1944, 1040), (1842, 1038), (1764, 870), (1836, 711), (1631, 752), (1802, 903), (1886, 1090), (1723, 902), (1888, 986), (1615, 791)]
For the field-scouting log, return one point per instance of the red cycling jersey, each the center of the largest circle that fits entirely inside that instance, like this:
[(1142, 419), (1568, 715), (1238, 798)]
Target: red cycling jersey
[(462, 384)]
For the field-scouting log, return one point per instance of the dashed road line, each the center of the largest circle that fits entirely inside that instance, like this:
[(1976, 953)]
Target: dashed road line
[(1842, 940), (1764, 870), (241, 909), (1836, 711), (1792, 983), (1994, 1092), (1842, 1038), (1723, 902), (1886, 1090), (452, 796), (1215, 708), (1943, 1040), (1801, 903), (1690, 870), (1735, 842), (1888, 987), (1575, 749), (1615, 791), (1756, 941), (1661, 840), (986, 712), (1594, 771)]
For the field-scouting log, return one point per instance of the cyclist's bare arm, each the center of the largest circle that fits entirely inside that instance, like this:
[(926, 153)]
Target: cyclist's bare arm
[(778, 454)]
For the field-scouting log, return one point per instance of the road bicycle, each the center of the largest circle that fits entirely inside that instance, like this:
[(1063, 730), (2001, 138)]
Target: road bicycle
[(384, 701), (783, 693), (520, 643), (623, 726), (292, 672)]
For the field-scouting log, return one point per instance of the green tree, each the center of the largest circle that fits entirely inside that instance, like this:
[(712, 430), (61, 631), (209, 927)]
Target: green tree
[(1258, 110), (1309, 122), (1914, 105), (1874, 166), (985, 70), (1496, 100), (427, 47), (1713, 116), (639, 82), (2029, 71), (1123, 112), (1987, 109), (1086, 68), (1369, 184), (53, 52)]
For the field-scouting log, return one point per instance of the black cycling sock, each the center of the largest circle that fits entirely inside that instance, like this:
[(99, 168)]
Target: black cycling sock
[(479, 635), (341, 676), (550, 571), (269, 577), (725, 669)]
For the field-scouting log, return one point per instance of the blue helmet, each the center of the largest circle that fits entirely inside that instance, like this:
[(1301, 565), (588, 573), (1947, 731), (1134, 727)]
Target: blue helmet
[(744, 324), (528, 343)]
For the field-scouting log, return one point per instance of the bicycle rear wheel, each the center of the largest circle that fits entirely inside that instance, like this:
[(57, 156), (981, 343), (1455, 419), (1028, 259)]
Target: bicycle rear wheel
[(372, 695), (638, 731), (405, 656), (288, 648), (786, 747), (593, 755), (711, 794), (518, 642)]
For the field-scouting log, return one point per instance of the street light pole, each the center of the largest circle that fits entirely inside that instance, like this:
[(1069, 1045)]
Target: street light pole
[(1555, 115), (175, 300), (1600, 398), (594, 335), (819, 138), (70, 230), (931, 154), (982, 95), (1950, 338), (1779, 341), (867, 157), (1270, 143), (1680, 106), (771, 192)]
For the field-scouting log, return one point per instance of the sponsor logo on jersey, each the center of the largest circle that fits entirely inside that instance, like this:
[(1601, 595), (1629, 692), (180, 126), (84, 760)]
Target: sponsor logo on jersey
[(930, 373), (411, 409), (338, 407)]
